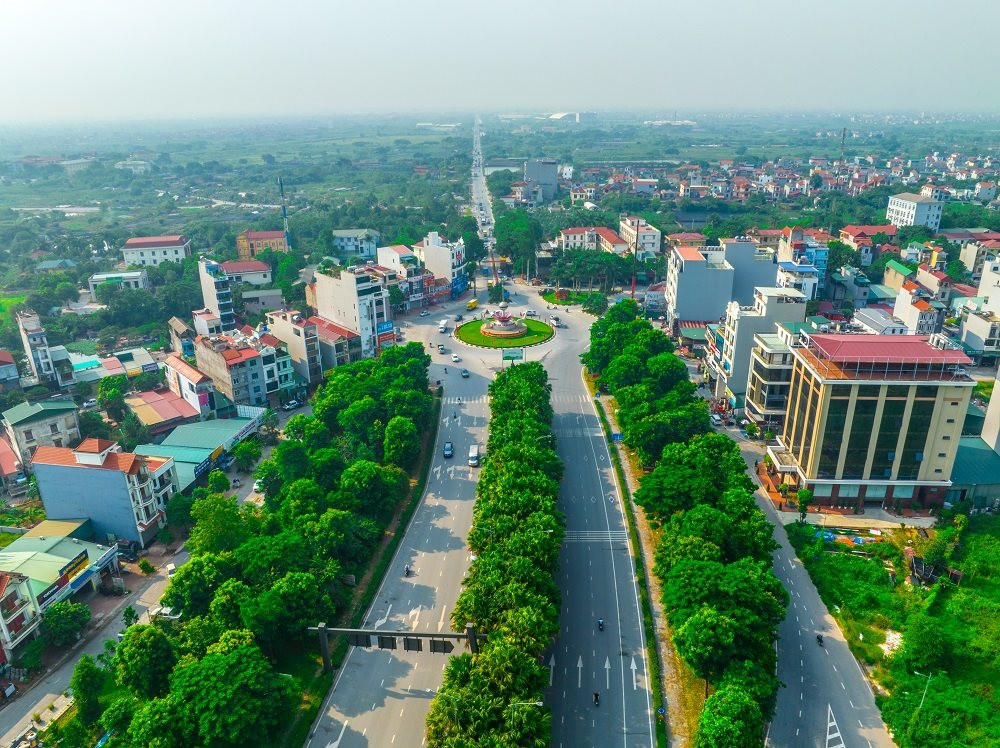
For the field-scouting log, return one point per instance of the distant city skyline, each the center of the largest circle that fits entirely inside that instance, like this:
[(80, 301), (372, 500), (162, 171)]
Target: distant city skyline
[(118, 60)]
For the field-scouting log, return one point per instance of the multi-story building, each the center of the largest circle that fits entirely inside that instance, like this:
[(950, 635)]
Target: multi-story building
[(262, 300), (909, 209), (729, 366), (10, 378), (337, 344), (251, 272), (609, 241), (918, 310), (975, 254), (578, 237), (207, 323), (768, 379), (879, 322), (124, 495), (806, 246), (411, 276), (181, 337), (545, 173), (873, 419), (351, 297), (152, 250), (642, 238), (249, 243), (236, 368), (315, 345), (355, 242), (217, 292), (20, 613), (802, 276), (51, 423), (699, 283), (36, 345), (187, 382), (754, 266), (445, 260), (980, 332), (125, 279)]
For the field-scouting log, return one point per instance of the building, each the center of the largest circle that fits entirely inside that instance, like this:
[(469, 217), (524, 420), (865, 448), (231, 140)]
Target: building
[(187, 382), (879, 322), (36, 345), (249, 243), (918, 310), (337, 344), (802, 277), (160, 409), (754, 266), (353, 298), (414, 281), (55, 266), (13, 481), (446, 260), (861, 238), (301, 339), (236, 369), (206, 323), (152, 250), (51, 423), (10, 378), (579, 237), (252, 272), (729, 365), (806, 247), (124, 495), (181, 337), (699, 283), (909, 209), (262, 300), (642, 238), (355, 242), (20, 613), (850, 285), (975, 254), (873, 419), (125, 279), (217, 293), (768, 379), (609, 241), (545, 173)]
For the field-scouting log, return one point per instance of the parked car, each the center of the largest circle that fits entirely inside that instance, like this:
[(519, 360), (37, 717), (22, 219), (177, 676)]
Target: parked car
[(465, 373), (90, 403), (448, 450), (290, 405), (257, 486)]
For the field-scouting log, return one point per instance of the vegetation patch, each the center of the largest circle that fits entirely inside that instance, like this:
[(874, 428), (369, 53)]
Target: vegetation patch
[(471, 333)]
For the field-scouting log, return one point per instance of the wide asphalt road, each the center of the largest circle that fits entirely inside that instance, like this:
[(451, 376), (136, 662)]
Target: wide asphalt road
[(596, 574), (381, 697)]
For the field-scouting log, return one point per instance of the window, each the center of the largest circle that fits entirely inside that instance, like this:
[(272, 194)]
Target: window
[(949, 420), (27, 435), (53, 428)]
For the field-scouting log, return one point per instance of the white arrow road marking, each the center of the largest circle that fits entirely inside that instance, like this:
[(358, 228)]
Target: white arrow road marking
[(415, 615), (437, 472), (445, 420), (381, 621), (579, 672), (552, 667), (451, 471), (607, 673), (634, 674), (441, 622), (336, 743)]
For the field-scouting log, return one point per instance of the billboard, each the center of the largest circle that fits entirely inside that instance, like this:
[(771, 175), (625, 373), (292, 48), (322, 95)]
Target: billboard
[(383, 327), (513, 354)]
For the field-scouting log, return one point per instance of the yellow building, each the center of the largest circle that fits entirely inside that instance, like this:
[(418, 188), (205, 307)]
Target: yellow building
[(251, 243), (873, 419)]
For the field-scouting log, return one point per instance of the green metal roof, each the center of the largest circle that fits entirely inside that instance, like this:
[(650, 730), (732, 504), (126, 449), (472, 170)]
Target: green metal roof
[(186, 459), (207, 434), (975, 463), (881, 291), (899, 268), (818, 319), (28, 412)]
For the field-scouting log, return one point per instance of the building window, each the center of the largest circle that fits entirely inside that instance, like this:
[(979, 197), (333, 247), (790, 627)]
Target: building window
[(27, 435), (53, 428)]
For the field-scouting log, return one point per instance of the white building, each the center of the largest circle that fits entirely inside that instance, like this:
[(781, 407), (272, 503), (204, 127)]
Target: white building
[(801, 277), (699, 284), (908, 209), (152, 250), (206, 323), (444, 260), (127, 279), (353, 298), (188, 383), (252, 272), (217, 293), (879, 322), (641, 237), (350, 242), (918, 312)]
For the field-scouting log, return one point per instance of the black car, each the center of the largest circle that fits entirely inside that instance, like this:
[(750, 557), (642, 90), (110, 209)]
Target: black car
[(458, 318), (448, 450), (465, 373)]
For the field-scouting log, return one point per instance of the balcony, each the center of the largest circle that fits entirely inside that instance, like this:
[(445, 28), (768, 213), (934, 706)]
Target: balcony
[(11, 606)]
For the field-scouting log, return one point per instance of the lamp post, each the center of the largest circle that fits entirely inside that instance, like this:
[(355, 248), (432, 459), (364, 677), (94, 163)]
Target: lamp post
[(521, 703), (926, 685)]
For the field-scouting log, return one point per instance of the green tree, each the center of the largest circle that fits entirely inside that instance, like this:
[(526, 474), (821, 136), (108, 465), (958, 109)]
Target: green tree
[(246, 454), (86, 686), (111, 395), (706, 641), (401, 445), (129, 616), (730, 719), (595, 303), (92, 424), (63, 621), (495, 293), (218, 524), (144, 660), (926, 644), (956, 270), (218, 482), (193, 586), (803, 498), (378, 489)]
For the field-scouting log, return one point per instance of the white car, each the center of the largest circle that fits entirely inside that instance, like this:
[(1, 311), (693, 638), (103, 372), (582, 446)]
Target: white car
[(455, 358), (424, 313), (256, 486)]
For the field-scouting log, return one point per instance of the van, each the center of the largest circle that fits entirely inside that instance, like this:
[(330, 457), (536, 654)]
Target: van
[(716, 420), (443, 326), (472, 304), (474, 455)]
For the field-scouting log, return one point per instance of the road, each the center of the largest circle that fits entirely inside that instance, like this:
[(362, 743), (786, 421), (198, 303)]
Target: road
[(15, 717), (596, 576), (381, 698), (826, 701)]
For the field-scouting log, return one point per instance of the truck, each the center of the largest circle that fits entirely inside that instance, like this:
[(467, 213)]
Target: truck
[(443, 325)]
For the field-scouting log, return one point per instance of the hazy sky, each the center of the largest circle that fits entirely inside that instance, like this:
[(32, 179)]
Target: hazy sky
[(114, 59)]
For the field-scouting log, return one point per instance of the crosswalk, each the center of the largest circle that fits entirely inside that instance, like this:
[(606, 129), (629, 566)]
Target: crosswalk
[(595, 536), (555, 399)]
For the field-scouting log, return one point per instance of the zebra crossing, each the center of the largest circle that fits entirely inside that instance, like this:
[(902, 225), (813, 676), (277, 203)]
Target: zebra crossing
[(556, 398), (595, 536)]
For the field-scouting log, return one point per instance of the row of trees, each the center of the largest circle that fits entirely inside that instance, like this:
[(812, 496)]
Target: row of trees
[(259, 576), (510, 591), (713, 557)]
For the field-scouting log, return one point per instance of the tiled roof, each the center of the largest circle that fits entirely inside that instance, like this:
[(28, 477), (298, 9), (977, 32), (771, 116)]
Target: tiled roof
[(123, 462), (8, 457), (94, 445), (608, 235), (143, 242), (330, 330), (185, 369), (690, 254), (155, 407), (891, 349), (6, 357), (264, 234), (245, 266)]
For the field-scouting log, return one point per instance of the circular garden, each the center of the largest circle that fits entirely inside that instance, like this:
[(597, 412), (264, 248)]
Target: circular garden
[(535, 332)]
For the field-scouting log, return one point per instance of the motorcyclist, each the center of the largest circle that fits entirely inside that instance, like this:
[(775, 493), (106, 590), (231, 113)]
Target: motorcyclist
[(600, 624), (406, 570), (819, 639), (597, 698)]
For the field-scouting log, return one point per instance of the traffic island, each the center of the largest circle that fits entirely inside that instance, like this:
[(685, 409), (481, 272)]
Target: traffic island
[(504, 332)]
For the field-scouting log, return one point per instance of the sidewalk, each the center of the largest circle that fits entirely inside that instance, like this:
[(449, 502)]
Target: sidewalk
[(48, 688)]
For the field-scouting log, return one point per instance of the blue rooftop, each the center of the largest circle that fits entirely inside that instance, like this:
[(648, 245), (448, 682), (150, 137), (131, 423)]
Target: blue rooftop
[(797, 268)]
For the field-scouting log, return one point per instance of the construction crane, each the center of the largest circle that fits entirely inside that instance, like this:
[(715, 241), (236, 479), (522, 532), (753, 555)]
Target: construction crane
[(284, 213)]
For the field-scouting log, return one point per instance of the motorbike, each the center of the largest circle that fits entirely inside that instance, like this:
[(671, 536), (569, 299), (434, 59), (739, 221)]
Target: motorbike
[(819, 639), (600, 624), (597, 698)]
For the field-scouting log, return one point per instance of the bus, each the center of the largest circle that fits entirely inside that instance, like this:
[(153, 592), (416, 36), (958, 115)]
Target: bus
[(470, 305)]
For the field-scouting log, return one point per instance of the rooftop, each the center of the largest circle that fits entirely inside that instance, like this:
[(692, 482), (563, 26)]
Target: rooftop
[(975, 463), (881, 357), (690, 254), (264, 234), (245, 266), (28, 412), (182, 367), (913, 198), (122, 462), (143, 242), (157, 407)]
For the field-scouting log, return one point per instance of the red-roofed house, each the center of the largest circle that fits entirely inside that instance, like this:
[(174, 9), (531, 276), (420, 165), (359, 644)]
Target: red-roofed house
[(124, 495), (12, 478), (152, 250), (160, 410), (254, 272), (20, 613), (609, 241), (872, 420), (9, 377), (251, 243), (236, 369)]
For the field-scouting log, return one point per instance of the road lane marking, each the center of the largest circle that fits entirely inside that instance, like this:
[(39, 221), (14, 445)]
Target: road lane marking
[(441, 620), (833, 737), (633, 668), (579, 671), (381, 621), (607, 673), (336, 743)]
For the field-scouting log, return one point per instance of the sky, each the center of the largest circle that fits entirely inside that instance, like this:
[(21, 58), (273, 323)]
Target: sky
[(82, 60)]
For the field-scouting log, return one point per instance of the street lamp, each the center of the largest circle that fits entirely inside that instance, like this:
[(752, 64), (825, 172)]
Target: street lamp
[(521, 703), (926, 685)]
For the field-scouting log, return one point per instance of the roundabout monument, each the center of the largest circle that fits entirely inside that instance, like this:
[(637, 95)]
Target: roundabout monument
[(503, 330)]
